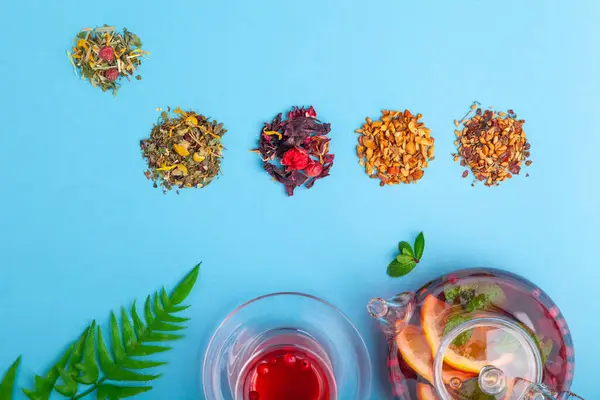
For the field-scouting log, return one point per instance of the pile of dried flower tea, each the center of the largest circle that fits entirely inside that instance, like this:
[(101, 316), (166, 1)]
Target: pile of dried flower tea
[(397, 148), (103, 56), (295, 152), (491, 144), (184, 151)]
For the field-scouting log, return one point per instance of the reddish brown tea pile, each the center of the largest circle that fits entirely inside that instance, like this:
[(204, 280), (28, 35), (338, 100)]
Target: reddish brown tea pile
[(492, 145), (295, 152), (395, 149)]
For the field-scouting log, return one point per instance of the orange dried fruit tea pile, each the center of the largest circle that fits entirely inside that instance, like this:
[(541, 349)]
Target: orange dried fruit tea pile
[(493, 145), (396, 148)]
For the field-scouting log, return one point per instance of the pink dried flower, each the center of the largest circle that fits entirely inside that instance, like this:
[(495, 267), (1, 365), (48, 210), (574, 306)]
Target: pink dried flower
[(107, 53), (295, 159), (111, 74), (314, 168)]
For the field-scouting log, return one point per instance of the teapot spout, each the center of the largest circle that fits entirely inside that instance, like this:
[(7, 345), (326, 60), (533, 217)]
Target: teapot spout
[(393, 314)]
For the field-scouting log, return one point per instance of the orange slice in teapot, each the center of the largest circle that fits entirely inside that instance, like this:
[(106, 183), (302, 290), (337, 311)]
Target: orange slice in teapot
[(425, 392), (417, 354), (469, 358)]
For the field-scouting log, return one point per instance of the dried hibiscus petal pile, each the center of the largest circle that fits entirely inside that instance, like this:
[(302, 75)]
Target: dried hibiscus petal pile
[(395, 149), (491, 144), (295, 151)]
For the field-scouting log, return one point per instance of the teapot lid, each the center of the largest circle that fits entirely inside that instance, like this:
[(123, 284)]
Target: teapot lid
[(498, 359)]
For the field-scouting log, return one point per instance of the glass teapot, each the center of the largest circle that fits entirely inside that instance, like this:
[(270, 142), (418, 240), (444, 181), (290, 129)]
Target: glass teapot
[(477, 334)]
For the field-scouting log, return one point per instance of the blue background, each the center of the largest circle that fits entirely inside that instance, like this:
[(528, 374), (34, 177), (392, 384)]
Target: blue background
[(83, 231)]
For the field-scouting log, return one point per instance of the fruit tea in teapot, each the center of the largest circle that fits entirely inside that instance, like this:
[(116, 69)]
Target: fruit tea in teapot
[(480, 334)]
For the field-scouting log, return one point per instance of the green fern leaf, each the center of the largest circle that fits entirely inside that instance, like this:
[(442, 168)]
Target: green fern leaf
[(88, 366), (133, 363), (164, 297), (172, 318), (138, 325), (45, 385), (69, 386), (7, 383), (176, 309), (110, 392), (89, 355), (158, 308), (106, 362), (128, 334), (144, 350), (117, 344), (125, 375), (148, 311), (182, 291), (165, 327)]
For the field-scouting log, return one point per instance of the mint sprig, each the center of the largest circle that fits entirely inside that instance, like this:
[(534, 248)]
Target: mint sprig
[(113, 374), (408, 258)]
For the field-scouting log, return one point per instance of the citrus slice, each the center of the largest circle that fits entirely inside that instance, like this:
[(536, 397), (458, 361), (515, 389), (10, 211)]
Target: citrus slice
[(433, 318), (416, 353), (425, 392)]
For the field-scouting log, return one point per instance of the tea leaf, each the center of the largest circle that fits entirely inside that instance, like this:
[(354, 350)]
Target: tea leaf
[(7, 383), (401, 266), (419, 246), (454, 321), (406, 248)]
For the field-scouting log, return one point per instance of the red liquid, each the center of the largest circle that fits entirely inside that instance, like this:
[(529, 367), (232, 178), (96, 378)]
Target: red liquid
[(286, 374)]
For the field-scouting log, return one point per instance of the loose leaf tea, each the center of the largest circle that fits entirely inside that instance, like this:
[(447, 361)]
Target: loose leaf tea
[(492, 145), (397, 148), (295, 151), (184, 151), (103, 56)]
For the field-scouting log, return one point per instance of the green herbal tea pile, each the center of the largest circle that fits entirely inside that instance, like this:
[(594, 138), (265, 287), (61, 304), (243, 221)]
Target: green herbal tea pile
[(184, 151), (492, 145), (103, 56), (395, 149)]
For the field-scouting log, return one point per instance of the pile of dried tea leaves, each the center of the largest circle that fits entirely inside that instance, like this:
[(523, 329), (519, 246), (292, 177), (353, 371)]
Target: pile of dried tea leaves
[(184, 151), (295, 152), (397, 148), (103, 56), (491, 144)]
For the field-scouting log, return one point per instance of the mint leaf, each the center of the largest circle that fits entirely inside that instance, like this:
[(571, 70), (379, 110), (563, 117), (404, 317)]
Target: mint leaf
[(487, 295), (454, 321), (419, 246), (399, 268), (479, 302), (404, 259), (545, 347), (470, 390), (451, 292), (406, 249)]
